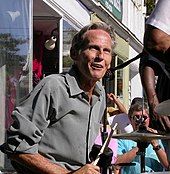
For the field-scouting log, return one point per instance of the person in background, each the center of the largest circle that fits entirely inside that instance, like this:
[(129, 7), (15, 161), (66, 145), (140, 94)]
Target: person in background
[(155, 155), (116, 101), (156, 63), (54, 129), (156, 83), (157, 32), (119, 115), (112, 99)]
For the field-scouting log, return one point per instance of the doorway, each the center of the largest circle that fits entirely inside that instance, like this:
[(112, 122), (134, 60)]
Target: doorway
[(45, 28)]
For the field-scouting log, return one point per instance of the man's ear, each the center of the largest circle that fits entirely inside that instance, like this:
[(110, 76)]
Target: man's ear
[(73, 53)]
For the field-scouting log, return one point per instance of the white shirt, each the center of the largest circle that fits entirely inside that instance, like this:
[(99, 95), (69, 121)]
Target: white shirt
[(160, 17), (124, 124)]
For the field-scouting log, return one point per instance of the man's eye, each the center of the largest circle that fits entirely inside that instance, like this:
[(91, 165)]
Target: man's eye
[(107, 51), (92, 48)]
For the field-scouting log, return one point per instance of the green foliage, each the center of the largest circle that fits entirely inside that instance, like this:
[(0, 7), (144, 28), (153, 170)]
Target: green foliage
[(9, 52), (8, 43), (67, 61), (150, 4)]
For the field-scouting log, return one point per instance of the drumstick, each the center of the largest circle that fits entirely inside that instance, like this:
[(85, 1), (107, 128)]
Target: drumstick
[(106, 143)]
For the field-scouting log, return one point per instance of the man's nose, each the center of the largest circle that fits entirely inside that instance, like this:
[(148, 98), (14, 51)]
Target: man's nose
[(100, 55)]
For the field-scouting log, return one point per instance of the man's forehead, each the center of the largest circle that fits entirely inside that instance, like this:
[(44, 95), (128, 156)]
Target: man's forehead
[(139, 112), (96, 32)]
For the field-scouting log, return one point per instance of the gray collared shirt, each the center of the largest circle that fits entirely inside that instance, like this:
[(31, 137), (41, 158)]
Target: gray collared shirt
[(57, 121)]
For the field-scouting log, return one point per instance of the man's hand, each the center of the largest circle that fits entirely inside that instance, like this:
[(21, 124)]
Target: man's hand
[(105, 158), (164, 120), (154, 142)]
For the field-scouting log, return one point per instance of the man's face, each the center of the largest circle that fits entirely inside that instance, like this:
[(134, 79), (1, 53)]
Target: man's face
[(95, 57), (139, 117)]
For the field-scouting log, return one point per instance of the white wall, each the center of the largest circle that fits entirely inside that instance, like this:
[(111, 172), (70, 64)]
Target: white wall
[(134, 17), (72, 10), (135, 81), (134, 20)]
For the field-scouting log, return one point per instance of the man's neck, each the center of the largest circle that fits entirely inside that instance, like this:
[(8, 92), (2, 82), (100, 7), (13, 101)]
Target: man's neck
[(87, 85)]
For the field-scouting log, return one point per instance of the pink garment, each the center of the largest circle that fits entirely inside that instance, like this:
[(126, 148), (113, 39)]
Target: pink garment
[(38, 49), (113, 145)]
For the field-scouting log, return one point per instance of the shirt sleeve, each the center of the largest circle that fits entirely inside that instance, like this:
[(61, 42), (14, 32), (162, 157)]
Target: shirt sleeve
[(29, 122), (149, 61), (121, 147)]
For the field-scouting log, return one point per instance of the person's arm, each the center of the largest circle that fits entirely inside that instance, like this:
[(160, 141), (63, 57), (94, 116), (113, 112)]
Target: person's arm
[(147, 75), (115, 100), (159, 150), (148, 81), (37, 164), (161, 154), (127, 157)]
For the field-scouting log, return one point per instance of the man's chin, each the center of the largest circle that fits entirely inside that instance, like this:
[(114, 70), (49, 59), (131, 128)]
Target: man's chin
[(97, 78), (98, 75)]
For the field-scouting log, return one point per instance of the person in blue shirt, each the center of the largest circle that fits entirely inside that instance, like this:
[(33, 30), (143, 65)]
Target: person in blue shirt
[(155, 156)]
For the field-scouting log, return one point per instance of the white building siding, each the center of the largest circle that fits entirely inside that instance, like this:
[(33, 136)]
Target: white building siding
[(135, 81), (72, 10), (134, 17)]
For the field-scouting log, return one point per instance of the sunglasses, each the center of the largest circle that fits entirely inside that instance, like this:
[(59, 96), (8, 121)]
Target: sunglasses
[(139, 118)]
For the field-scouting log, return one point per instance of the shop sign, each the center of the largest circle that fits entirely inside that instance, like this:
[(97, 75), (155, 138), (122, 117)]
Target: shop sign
[(114, 6)]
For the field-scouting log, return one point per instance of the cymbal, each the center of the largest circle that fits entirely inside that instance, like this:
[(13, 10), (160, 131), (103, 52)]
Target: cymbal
[(163, 108), (140, 136)]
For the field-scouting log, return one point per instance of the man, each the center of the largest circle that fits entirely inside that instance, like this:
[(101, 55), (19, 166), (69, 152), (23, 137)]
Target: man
[(155, 77), (55, 127), (157, 33), (155, 64), (127, 149)]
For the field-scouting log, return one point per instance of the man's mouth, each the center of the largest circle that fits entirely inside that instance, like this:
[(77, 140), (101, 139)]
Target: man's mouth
[(96, 66)]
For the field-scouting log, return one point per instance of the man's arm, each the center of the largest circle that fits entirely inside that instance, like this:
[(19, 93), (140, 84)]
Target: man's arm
[(160, 151), (38, 164), (127, 157), (148, 81)]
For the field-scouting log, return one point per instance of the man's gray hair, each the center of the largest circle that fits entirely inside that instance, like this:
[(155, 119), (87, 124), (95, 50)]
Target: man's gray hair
[(78, 40)]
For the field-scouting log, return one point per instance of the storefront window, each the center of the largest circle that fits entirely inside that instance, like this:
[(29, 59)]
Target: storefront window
[(120, 80), (45, 47), (15, 51), (68, 33), (115, 83)]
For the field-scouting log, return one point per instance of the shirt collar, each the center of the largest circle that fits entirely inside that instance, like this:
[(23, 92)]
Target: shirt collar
[(74, 88)]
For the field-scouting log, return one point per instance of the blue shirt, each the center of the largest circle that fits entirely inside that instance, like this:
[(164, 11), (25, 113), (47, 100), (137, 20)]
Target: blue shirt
[(152, 163)]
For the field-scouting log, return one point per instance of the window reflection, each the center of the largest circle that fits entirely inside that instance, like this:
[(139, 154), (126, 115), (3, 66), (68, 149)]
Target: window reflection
[(120, 80), (115, 83), (68, 33), (45, 52), (14, 50)]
